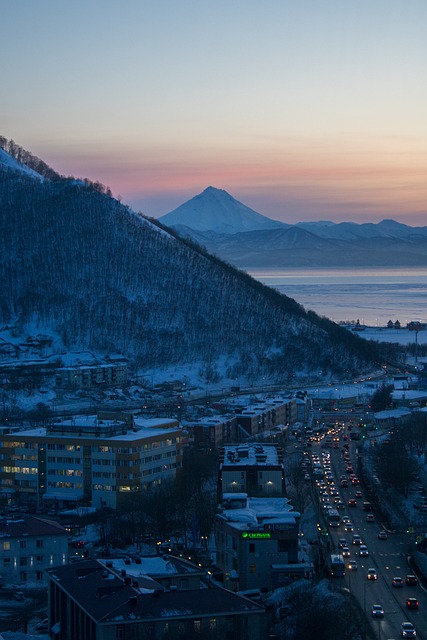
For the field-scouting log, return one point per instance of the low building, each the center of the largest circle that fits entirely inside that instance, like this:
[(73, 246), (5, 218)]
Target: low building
[(392, 418), (28, 546), (89, 460), (89, 601), (260, 417), (89, 376), (211, 432), (252, 468), (257, 542)]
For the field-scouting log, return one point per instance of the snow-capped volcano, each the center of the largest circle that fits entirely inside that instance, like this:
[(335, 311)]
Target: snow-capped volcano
[(216, 210)]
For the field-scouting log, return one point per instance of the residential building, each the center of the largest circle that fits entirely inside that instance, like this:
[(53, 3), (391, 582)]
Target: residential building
[(212, 432), (257, 542), (253, 468), (29, 546), (88, 376), (88, 460), (90, 601), (260, 417)]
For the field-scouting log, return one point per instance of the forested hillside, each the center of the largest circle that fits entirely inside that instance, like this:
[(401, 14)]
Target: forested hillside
[(75, 260)]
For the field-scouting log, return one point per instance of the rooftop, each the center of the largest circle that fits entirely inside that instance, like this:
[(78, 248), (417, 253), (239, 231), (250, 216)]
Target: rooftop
[(113, 599), (260, 513), (251, 454)]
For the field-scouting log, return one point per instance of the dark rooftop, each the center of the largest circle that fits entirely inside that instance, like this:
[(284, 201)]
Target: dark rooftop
[(106, 597)]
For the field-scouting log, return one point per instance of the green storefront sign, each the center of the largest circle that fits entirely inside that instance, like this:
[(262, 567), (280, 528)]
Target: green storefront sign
[(255, 535)]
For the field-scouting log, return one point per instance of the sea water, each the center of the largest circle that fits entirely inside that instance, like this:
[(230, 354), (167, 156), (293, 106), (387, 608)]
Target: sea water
[(372, 296)]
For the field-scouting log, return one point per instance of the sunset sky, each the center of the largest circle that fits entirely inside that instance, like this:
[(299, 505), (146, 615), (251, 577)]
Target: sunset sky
[(301, 109)]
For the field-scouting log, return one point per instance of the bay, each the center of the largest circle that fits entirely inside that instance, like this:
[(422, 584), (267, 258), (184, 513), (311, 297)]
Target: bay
[(372, 296)]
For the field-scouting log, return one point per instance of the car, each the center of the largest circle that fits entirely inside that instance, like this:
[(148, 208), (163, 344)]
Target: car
[(407, 630), (342, 542), (411, 581), (345, 519), (411, 603), (307, 476), (382, 535), (348, 526), (370, 517), (340, 505), (356, 539), (345, 552), (352, 502), (363, 550), (397, 582), (377, 611), (372, 574), (358, 494), (355, 481), (344, 483), (352, 565)]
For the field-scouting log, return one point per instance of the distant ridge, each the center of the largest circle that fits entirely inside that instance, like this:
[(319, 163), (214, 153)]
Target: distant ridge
[(239, 235), (216, 210)]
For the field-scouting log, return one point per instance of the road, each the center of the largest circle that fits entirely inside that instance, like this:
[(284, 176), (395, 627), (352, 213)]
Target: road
[(389, 558)]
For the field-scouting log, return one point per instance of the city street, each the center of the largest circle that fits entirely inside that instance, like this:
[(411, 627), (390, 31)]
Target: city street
[(389, 557)]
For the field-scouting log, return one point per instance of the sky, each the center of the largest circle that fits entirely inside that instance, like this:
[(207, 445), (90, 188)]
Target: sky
[(301, 109)]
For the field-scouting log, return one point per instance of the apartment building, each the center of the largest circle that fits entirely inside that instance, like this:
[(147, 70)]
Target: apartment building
[(28, 546), (88, 460), (89, 376), (258, 418), (212, 432)]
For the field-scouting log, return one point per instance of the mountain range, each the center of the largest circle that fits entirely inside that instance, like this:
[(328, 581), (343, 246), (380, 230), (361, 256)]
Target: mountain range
[(250, 240), (77, 264)]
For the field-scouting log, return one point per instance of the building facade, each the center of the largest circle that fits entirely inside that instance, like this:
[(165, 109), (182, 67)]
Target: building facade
[(29, 546), (89, 376), (88, 460), (257, 542)]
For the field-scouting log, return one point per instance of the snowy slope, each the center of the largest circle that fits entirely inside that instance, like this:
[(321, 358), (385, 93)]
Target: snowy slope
[(216, 210), (7, 161)]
